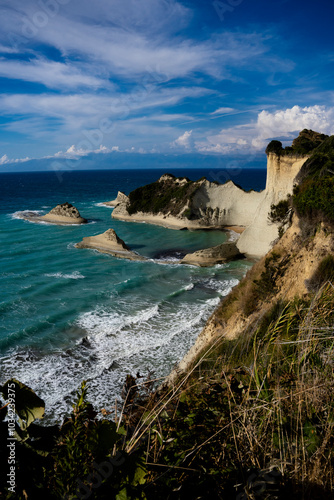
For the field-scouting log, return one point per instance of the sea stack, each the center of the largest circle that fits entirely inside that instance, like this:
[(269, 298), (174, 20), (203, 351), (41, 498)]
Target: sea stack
[(64, 214), (109, 242)]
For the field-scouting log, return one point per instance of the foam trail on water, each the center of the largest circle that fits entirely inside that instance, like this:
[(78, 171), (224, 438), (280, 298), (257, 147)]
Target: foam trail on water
[(151, 338), (76, 275)]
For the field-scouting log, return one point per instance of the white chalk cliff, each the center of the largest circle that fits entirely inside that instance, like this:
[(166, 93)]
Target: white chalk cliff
[(259, 236), (228, 205), (218, 206)]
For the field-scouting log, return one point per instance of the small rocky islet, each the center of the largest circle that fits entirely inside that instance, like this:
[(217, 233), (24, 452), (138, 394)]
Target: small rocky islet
[(62, 214)]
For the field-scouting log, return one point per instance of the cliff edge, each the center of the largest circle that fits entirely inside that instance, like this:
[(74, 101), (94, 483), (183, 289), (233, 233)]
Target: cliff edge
[(297, 265), (179, 203)]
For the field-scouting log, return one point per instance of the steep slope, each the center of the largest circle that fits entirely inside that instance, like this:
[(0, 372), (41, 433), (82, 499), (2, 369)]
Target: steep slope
[(284, 273), (260, 234), (290, 268)]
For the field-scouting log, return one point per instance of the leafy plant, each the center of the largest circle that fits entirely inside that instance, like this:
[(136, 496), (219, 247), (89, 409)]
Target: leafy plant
[(82, 458), (281, 214)]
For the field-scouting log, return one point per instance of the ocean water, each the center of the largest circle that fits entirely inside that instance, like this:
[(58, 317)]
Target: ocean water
[(70, 314)]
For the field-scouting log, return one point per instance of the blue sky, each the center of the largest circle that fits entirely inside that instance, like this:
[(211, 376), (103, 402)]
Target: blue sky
[(161, 76)]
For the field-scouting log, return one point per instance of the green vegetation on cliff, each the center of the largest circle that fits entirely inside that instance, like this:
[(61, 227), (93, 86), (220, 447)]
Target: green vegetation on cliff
[(303, 145), (163, 196), (314, 194)]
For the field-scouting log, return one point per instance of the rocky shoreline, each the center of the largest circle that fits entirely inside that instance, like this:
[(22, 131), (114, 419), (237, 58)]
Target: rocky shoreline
[(178, 203)]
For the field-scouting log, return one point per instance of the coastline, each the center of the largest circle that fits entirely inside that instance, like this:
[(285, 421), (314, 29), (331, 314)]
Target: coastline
[(86, 307)]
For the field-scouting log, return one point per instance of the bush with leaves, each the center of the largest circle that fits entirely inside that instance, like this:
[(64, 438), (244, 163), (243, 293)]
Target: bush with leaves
[(83, 458)]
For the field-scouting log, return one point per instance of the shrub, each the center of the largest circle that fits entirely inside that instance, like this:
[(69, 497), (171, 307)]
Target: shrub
[(279, 212), (315, 197), (306, 142), (274, 147)]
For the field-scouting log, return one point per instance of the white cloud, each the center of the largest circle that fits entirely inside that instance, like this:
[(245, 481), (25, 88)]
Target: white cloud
[(135, 41), (183, 140), (4, 160), (283, 123), (269, 125), (229, 140), (52, 74), (142, 46), (73, 152), (8, 50), (78, 111), (213, 148), (223, 111)]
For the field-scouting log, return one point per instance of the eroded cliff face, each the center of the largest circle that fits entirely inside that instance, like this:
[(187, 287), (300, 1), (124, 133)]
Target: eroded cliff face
[(260, 235), (225, 204)]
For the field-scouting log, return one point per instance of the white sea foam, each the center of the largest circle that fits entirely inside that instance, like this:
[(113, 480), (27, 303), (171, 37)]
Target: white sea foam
[(124, 336), (22, 213), (101, 204), (76, 275), (71, 245), (102, 322), (233, 236), (151, 338), (223, 287)]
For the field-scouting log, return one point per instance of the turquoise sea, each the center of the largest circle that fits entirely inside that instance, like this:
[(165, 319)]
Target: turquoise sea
[(70, 314)]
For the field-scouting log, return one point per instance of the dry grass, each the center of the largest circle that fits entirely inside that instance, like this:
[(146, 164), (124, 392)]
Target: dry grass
[(254, 416)]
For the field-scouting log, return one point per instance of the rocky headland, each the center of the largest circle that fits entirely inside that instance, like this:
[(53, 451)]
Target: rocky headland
[(109, 242), (179, 203)]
